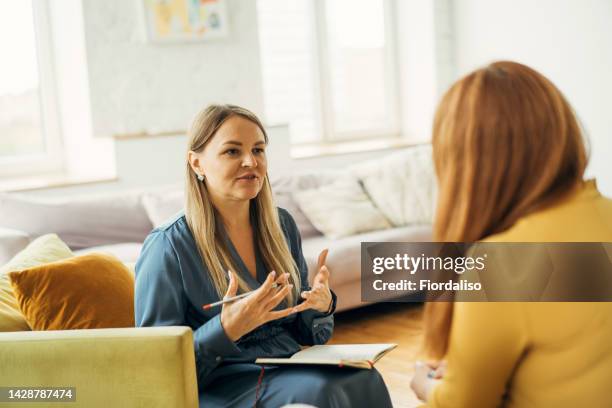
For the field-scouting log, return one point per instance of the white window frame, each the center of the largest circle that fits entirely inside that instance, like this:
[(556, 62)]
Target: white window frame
[(51, 160), (323, 82)]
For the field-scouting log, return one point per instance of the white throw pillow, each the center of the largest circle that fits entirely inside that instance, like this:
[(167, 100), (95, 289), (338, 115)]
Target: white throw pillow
[(402, 185), (284, 188), (341, 208)]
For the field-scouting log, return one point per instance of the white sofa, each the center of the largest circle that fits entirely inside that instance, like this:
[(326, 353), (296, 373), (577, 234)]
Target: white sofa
[(118, 223)]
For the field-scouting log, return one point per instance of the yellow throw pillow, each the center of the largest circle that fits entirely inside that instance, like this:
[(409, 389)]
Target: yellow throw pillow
[(83, 292), (44, 249)]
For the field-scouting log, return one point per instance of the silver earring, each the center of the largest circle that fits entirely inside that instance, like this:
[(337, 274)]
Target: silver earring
[(201, 177)]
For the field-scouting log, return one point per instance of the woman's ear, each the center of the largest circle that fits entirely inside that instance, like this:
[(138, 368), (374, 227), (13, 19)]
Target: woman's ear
[(195, 162)]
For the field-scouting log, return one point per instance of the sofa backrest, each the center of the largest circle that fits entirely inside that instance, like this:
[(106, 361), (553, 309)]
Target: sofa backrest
[(80, 222)]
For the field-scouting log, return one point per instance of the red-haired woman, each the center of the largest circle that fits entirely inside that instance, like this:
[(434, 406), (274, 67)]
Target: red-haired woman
[(510, 160)]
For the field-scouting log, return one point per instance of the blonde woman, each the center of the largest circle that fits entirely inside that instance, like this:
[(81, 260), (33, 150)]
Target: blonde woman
[(510, 160), (232, 239)]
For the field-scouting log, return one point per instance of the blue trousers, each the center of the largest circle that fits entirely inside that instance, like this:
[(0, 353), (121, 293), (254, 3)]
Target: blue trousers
[(321, 386)]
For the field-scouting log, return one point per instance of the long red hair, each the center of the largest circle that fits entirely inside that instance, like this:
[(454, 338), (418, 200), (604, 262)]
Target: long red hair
[(505, 143)]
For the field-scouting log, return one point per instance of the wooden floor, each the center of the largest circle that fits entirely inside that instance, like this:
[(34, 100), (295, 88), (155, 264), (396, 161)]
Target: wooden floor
[(387, 323)]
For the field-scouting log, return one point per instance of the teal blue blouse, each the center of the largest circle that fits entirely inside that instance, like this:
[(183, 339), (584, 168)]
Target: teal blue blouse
[(172, 285)]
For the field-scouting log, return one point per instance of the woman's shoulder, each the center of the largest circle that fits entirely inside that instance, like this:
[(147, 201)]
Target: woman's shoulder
[(177, 221), (283, 214), (173, 228), (286, 220), (584, 214)]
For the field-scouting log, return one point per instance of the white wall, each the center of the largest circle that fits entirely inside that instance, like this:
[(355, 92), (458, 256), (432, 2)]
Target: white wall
[(425, 61), (137, 86), (145, 163), (569, 41), (133, 86), (165, 158), (73, 96)]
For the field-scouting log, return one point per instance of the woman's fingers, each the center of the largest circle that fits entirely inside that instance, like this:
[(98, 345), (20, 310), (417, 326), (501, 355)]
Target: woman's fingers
[(314, 293), (440, 370), (232, 287), (322, 258), (302, 306), (438, 373), (282, 284), (421, 369), (418, 383), (270, 285), (436, 369), (322, 277), (265, 287), (279, 314), (318, 298), (283, 279), (277, 298)]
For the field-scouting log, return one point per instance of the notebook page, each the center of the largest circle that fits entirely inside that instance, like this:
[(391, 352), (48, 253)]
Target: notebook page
[(352, 352)]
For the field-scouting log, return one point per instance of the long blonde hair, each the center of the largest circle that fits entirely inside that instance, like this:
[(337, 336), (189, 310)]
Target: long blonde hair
[(505, 143), (205, 222)]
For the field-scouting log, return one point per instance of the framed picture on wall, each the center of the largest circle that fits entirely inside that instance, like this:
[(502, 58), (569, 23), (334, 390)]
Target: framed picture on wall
[(171, 21)]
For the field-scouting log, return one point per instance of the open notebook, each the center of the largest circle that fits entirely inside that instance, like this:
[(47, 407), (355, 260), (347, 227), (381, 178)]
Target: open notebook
[(349, 355)]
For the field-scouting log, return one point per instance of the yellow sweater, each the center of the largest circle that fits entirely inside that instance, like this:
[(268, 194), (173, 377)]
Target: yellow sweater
[(535, 354)]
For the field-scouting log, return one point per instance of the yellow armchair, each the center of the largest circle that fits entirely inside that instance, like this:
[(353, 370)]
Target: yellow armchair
[(128, 367)]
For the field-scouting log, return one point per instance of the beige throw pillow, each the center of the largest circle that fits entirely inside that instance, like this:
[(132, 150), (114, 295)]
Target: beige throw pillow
[(44, 249), (402, 185), (285, 186), (341, 208)]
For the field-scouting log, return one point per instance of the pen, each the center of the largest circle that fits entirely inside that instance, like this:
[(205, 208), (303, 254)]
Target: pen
[(233, 298)]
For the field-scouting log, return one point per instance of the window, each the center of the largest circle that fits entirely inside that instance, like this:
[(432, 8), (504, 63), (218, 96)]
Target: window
[(29, 130), (329, 68)]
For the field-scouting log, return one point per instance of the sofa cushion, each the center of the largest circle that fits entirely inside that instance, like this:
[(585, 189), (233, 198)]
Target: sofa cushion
[(48, 248), (83, 292), (306, 228), (11, 242), (402, 185), (341, 208), (80, 222), (285, 187)]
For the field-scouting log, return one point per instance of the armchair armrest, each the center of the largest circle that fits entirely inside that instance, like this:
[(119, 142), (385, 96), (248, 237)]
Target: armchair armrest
[(128, 367)]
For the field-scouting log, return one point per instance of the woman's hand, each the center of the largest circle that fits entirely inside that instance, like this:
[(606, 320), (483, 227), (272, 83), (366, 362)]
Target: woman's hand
[(244, 315), (426, 376), (319, 296)]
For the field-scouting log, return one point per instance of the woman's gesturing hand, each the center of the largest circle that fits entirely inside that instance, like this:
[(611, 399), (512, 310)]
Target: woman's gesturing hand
[(319, 297), (426, 375), (244, 315)]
